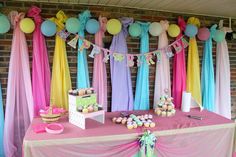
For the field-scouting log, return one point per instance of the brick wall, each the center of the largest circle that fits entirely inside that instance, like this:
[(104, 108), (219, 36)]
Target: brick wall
[(50, 9)]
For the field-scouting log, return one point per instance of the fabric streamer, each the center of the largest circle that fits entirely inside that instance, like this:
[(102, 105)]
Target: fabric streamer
[(179, 69), (122, 95), (2, 154), (19, 102), (40, 65), (82, 65), (61, 82), (223, 93), (162, 78), (193, 69), (207, 79), (141, 101), (99, 67)]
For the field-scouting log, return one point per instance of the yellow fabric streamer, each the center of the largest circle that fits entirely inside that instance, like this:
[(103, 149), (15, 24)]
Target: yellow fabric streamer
[(61, 81), (193, 70)]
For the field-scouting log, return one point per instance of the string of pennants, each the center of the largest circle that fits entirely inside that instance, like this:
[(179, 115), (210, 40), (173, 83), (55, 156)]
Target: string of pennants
[(141, 58)]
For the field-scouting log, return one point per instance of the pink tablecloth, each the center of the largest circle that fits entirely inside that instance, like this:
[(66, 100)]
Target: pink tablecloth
[(177, 136)]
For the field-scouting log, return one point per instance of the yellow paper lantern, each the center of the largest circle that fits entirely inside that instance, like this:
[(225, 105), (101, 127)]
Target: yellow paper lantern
[(27, 25), (113, 26), (173, 30)]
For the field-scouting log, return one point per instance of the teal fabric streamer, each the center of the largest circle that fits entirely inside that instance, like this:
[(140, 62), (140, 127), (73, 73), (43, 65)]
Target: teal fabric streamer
[(207, 79), (82, 65), (141, 101), (1, 124)]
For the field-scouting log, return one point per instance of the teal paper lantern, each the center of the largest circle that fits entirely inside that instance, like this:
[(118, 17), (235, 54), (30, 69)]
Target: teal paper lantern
[(72, 25), (191, 30), (92, 26), (48, 28), (219, 36), (135, 30), (4, 24)]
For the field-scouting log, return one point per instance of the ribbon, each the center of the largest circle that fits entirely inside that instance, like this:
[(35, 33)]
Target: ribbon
[(147, 143)]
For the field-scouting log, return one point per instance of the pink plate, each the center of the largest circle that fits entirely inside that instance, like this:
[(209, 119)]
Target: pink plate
[(54, 128)]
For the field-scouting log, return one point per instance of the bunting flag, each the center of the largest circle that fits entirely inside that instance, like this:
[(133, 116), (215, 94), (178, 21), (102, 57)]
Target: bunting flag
[(73, 42), (148, 56), (63, 34), (96, 50)]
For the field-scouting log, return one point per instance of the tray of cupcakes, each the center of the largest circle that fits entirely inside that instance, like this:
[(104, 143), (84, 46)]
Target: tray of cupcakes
[(165, 107), (85, 100), (132, 121)]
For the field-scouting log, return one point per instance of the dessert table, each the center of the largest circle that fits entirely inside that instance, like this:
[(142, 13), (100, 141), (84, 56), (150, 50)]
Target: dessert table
[(177, 136)]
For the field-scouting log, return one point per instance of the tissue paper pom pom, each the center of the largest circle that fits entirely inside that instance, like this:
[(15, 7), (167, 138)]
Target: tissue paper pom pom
[(72, 25), (173, 30), (135, 30), (92, 26), (203, 34), (113, 26), (191, 30), (155, 29), (5, 24), (219, 36), (48, 28), (27, 25)]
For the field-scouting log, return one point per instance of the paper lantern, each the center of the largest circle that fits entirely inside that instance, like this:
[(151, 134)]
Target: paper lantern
[(155, 29), (27, 25), (4, 24), (92, 26), (203, 34), (48, 28), (135, 30), (191, 30), (72, 25), (219, 36), (113, 26), (173, 30)]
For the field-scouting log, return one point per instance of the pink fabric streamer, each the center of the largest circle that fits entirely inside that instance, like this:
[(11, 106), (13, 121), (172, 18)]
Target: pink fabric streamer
[(99, 70), (179, 69), (223, 93), (19, 101), (40, 65), (217, 143), (162, 79)]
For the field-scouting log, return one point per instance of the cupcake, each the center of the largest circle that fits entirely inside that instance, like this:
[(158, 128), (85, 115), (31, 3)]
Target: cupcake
[(123, 121), (163, 113), (90, 109), (150, 116), (95, 108), (168, 114), (140, 123), (164, 107), (130, 126), (85, 110), (158, 112), (146, 124), (135, 125), (169, 107), (152, 124), (118, 120), (114, 119), (129, 119)]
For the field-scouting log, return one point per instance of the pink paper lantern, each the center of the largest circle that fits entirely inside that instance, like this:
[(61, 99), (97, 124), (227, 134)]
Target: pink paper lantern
[(203, 34)]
